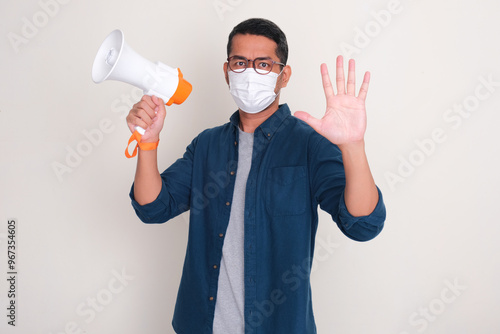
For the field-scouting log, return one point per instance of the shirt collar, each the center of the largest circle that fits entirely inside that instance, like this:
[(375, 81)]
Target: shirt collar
[(270, 125)]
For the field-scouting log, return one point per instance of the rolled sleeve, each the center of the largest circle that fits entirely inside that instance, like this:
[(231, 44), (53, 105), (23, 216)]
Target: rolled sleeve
[(174, 196), (362, 228), (328, 186), (155, 212)]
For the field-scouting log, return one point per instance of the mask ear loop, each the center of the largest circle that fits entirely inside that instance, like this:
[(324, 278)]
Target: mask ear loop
[(281, 70), (278, 93)]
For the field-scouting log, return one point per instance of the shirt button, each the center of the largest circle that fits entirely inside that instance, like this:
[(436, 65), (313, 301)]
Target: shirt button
[(215, 266), (235, 143), (232, 172), (221, 235), (211, 298), (269, 135), (227, 203)]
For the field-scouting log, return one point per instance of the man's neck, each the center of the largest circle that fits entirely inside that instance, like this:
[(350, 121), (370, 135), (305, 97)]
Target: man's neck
[(250, 122)]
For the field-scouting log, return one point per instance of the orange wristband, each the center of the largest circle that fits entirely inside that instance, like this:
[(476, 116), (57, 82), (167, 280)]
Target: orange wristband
[(136, 136)]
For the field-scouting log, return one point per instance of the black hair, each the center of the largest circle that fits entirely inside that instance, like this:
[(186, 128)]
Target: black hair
[(262, 27)]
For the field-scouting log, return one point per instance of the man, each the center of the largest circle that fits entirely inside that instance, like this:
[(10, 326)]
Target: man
[(253, 186)]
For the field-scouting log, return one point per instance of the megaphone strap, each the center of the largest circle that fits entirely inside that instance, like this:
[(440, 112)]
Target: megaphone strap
[(136, 136)]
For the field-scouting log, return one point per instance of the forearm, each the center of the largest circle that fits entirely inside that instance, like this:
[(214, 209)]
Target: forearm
[(360, 195), (147, 183)]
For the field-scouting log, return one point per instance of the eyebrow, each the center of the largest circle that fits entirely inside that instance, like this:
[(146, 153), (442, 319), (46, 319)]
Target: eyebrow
[(266, 57)]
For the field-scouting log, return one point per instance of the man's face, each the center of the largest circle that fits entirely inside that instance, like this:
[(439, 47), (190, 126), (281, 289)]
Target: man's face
[(253, 46)]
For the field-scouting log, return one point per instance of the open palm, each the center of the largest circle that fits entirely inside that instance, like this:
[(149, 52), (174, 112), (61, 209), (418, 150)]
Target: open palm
[(344, 121)]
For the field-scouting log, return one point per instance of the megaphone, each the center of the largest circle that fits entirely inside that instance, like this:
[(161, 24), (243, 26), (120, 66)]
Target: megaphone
[(115, 60)]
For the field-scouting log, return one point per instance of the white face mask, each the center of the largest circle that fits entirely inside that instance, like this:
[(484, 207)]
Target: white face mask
[(251, 91)]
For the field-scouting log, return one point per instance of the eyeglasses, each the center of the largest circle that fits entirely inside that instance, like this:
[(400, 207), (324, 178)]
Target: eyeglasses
[(261, 65)]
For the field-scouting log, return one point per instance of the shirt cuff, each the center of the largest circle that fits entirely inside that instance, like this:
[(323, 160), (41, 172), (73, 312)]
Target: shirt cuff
[(149, 213), (364, 227)]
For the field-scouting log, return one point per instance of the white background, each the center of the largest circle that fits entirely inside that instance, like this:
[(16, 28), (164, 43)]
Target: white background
[(77, 231)]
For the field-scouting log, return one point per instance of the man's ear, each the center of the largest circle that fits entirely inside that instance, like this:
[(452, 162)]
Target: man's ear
[(225, 73), (285, 76)]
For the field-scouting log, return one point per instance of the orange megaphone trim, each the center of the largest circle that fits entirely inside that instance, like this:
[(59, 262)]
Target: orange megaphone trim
[(182, 92), (136, 136)]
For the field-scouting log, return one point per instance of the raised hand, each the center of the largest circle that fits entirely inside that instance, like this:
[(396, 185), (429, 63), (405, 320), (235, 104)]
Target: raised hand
[(344, 121)]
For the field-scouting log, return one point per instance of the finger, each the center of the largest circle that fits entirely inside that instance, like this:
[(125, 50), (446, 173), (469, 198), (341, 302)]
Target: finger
[(133, 121), (351, 78), (149, 100), (306, 117), (145, 117), (129, 123), (157, 101), (363, 90), (146, 107), (139, 122), (340, 76), (327, 84)]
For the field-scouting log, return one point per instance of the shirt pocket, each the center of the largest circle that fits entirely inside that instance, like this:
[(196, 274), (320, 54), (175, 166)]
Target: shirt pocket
[(286, 191)]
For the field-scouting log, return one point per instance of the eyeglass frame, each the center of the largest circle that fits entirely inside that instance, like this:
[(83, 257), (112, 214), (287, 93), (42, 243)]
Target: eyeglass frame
[(253, 63)]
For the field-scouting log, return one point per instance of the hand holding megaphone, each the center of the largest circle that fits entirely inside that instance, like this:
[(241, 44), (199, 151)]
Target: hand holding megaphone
[(115, 60), (149, 113)]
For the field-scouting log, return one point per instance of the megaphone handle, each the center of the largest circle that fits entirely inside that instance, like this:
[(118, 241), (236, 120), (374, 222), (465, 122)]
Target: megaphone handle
[(137, 135), (140, 130)]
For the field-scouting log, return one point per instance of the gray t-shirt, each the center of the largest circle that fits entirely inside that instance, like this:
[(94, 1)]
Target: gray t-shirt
[(229, 315)]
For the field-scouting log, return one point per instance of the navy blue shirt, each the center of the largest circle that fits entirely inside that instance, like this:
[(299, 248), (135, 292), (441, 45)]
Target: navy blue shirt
[(294, 169)]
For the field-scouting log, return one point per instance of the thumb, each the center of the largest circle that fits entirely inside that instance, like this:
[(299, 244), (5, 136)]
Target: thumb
[(155, 99), (160, 106), (311, 120), (160, 109)]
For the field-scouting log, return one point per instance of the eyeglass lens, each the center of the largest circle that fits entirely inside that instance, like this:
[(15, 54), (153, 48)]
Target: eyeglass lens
[(261, 65)]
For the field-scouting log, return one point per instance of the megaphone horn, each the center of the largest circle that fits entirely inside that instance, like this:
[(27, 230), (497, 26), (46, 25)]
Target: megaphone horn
[(115, 60)]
